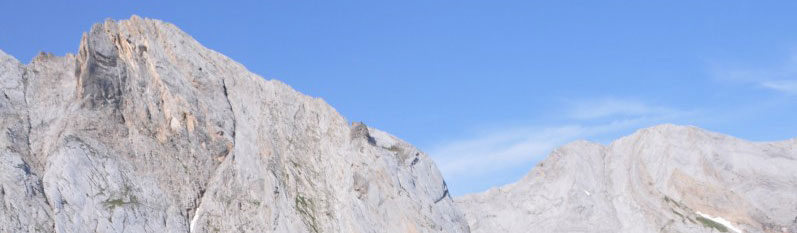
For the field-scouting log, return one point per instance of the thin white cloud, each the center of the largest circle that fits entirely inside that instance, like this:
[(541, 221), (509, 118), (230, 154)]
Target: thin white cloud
[(612, 107), (780, 77), (499, 149), (510, 147), (786, 86)]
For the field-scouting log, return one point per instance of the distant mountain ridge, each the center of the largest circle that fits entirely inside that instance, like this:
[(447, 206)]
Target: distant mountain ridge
[(666, 178)]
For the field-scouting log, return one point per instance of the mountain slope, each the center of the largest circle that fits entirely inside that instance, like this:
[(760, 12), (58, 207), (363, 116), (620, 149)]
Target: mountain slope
[(145, 130), (662, 179)]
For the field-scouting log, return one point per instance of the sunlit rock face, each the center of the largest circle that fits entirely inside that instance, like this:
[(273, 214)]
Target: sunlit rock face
[(145, 130), (661, 179)]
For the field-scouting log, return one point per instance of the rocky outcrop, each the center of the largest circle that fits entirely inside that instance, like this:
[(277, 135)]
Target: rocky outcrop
[(662, 179), (145, 130)]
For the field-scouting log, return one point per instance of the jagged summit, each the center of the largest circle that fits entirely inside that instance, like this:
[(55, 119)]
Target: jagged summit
[(132, 31), (145, 130), (665, 178)]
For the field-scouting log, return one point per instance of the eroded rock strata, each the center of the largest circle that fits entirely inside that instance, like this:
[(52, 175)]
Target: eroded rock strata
[(662, 179), (145, 130)]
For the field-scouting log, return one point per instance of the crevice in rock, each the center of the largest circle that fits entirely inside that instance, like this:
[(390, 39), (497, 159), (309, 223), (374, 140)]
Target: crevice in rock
[(195, 216), (27, 110), (415, 160), (445, 193), (232, 111), (29, 144), (198, 203)]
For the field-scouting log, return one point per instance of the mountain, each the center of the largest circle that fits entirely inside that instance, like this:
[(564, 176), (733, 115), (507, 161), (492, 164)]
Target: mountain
[(145, 130), (662, 179)]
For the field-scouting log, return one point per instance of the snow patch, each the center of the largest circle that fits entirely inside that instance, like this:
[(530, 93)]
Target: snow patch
[(720, 220), (193, 220)]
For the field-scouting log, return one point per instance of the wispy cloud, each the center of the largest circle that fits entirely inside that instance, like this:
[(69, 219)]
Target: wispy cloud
[(786, 86), (497, 150), (507, 148), (613, 107), (780, 77)]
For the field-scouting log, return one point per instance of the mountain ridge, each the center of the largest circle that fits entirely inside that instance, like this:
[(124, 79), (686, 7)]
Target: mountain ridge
[(664, 178), (146, 130)]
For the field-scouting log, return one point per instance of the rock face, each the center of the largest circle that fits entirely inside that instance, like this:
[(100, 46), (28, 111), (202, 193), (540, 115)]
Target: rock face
[(145, 130), (661, 179)]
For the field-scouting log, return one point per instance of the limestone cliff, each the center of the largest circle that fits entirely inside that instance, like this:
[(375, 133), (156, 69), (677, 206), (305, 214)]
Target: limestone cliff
[(145, 130), (662, 179)]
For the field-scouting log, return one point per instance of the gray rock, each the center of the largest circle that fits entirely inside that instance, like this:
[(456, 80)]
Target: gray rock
[(661, 179), (145, 130)]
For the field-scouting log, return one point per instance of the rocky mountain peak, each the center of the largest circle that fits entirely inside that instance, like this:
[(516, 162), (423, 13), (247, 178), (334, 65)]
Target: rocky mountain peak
[(145, 130), (665, 178)]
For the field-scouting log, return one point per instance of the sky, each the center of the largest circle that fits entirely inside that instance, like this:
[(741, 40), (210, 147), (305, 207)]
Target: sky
[(487, 88)]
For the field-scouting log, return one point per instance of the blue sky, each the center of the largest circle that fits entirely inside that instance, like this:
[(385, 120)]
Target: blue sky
[(488, 88)]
